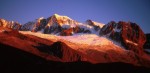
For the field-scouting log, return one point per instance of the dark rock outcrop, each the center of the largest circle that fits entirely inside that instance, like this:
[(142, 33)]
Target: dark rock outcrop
[(35, 26), (39, 25), (67, 32), (64, 52), (147, 44), (27, 26)]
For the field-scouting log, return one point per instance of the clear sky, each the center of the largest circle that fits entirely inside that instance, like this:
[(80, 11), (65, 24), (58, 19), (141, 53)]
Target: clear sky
[(103, 11)]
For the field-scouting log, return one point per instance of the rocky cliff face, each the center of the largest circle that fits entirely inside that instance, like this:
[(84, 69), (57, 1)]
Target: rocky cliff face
[(10, 24), (67, 54), (39, 24), (34, 26), (57, 23), (97, 26), (128, 34), (147, 43)]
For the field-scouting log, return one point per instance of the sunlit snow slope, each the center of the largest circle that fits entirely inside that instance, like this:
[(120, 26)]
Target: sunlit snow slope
[(101, 49), (83, 39)]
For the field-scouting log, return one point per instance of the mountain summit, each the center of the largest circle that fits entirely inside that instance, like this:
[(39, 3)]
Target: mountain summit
[(10, 24), (62, 25)]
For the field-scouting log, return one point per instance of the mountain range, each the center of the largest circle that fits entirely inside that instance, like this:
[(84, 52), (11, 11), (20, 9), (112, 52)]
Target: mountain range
[(60, 41)]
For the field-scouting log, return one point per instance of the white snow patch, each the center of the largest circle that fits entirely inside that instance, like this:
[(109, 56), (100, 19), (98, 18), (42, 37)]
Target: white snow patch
[(116, 29), (65, 26), (88, 40), (62, 17), (2, 30), (98, 24), (116, 43), (68, 26), (147, 50), (29, 25), (39, 34), (128, 41), (41, 31), (40, 18), (88, 27)]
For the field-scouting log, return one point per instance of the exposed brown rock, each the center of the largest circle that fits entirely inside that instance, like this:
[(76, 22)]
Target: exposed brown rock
[(39, 25), (67, 32), (129, 34), (97, 26), (56, 22), (10, 24)]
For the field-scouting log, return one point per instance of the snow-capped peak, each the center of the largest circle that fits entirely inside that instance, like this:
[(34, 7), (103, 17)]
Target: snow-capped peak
[(60, 23), (61, 17), (98, 24), (62, 20), (93, 23), (40, 18)]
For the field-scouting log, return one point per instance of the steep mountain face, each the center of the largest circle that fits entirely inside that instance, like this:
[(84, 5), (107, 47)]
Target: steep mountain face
[(67, 54), (128, 34), (147, 44), (62, 25), (57, 23), (27, 26), (34, 26), (64, 52), (97, 26), (25, 43), (10, 24)]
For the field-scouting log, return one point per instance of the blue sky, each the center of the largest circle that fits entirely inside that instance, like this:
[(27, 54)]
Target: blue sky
[(103, 11)]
